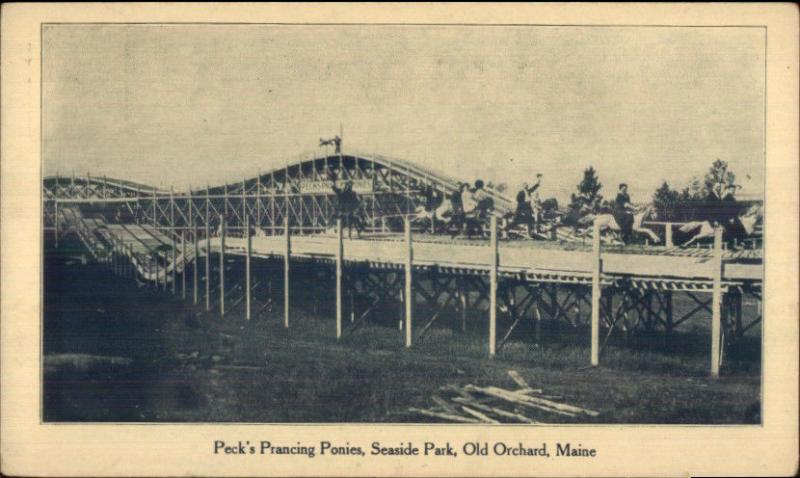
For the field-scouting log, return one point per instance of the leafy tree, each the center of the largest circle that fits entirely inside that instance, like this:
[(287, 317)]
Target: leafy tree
[(689, 203), (665, 201), (686, 206), (588, 188), (718, 178)]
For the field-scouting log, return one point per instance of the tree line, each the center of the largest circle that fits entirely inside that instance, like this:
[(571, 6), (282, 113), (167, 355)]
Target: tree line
[(670, 204)]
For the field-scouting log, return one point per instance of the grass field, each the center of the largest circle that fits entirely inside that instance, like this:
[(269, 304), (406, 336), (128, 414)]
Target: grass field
[(180, 366)]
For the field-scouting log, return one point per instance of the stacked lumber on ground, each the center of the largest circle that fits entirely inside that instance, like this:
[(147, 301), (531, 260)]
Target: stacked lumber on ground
[(525, 404)]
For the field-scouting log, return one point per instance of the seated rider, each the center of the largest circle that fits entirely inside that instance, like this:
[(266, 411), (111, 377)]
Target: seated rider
[(457, 207), (432, 196), (729, 217), (468, 197), (348, 204), (623, 212)]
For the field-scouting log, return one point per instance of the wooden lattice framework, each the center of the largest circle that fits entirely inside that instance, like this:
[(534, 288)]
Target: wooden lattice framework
[(389, 189), (281, 203)]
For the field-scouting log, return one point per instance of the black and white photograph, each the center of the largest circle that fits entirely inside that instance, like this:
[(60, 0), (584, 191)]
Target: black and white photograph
[(402, 223), (401, 240)]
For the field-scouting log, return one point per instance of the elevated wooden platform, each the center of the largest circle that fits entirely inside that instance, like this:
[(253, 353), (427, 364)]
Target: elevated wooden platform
[(517, 257), (635, 272)]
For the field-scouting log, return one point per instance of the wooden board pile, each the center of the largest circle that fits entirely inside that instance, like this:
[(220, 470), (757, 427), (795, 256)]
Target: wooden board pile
[(474, 404)]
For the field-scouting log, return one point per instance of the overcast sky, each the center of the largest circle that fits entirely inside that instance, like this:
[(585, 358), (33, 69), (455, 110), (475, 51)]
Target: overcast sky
[(195, 104)]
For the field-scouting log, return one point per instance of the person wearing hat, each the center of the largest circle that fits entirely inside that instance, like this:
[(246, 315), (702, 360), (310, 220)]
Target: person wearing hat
[(348, 203), (623, 212), (524, 213)]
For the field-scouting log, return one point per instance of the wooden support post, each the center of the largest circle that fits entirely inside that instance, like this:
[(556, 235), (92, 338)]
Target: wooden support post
[(737, 313), (225, 200), (716, 302), (339, 254), (258, 201), (670, 323), (174, 262), (208, 262), (286, 257), (537, 316), (462, 296), (247, 266), (111, 257), (351, 295), (668, 234), (158, 272), (493, 264), (164, 275), (113, 254), (401, 319), (172, 234), (596, 266), (244, 201), (194, 265), (409, 295), (183, 271), (120, 259), (222, 266), (55, 223), (131, 271)]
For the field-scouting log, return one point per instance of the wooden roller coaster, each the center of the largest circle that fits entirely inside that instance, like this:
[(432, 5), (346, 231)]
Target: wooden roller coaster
[(288, 216)]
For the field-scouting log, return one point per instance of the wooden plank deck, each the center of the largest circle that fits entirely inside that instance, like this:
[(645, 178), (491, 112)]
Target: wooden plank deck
[(129, 239), (519, 256), (526, 257)]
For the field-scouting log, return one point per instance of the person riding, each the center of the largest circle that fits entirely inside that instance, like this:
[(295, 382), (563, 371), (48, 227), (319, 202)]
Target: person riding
[(524, 213), (623, 212), (536, 204), (712, 208), (348, 204), (729, 217), (730, 207), (432, 197), (469, 197), (457, 207)]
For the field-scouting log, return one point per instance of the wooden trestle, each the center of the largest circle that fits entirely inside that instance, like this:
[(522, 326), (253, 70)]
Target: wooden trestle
[(604, 290)]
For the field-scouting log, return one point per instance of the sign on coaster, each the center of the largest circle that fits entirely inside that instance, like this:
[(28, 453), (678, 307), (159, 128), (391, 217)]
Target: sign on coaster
[(324, 187)]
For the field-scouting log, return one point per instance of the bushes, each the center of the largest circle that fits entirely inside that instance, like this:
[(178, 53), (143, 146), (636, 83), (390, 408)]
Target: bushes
[(697, 198)]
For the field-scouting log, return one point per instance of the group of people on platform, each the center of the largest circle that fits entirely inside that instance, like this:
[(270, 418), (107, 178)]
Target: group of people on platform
[(467, 209)]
